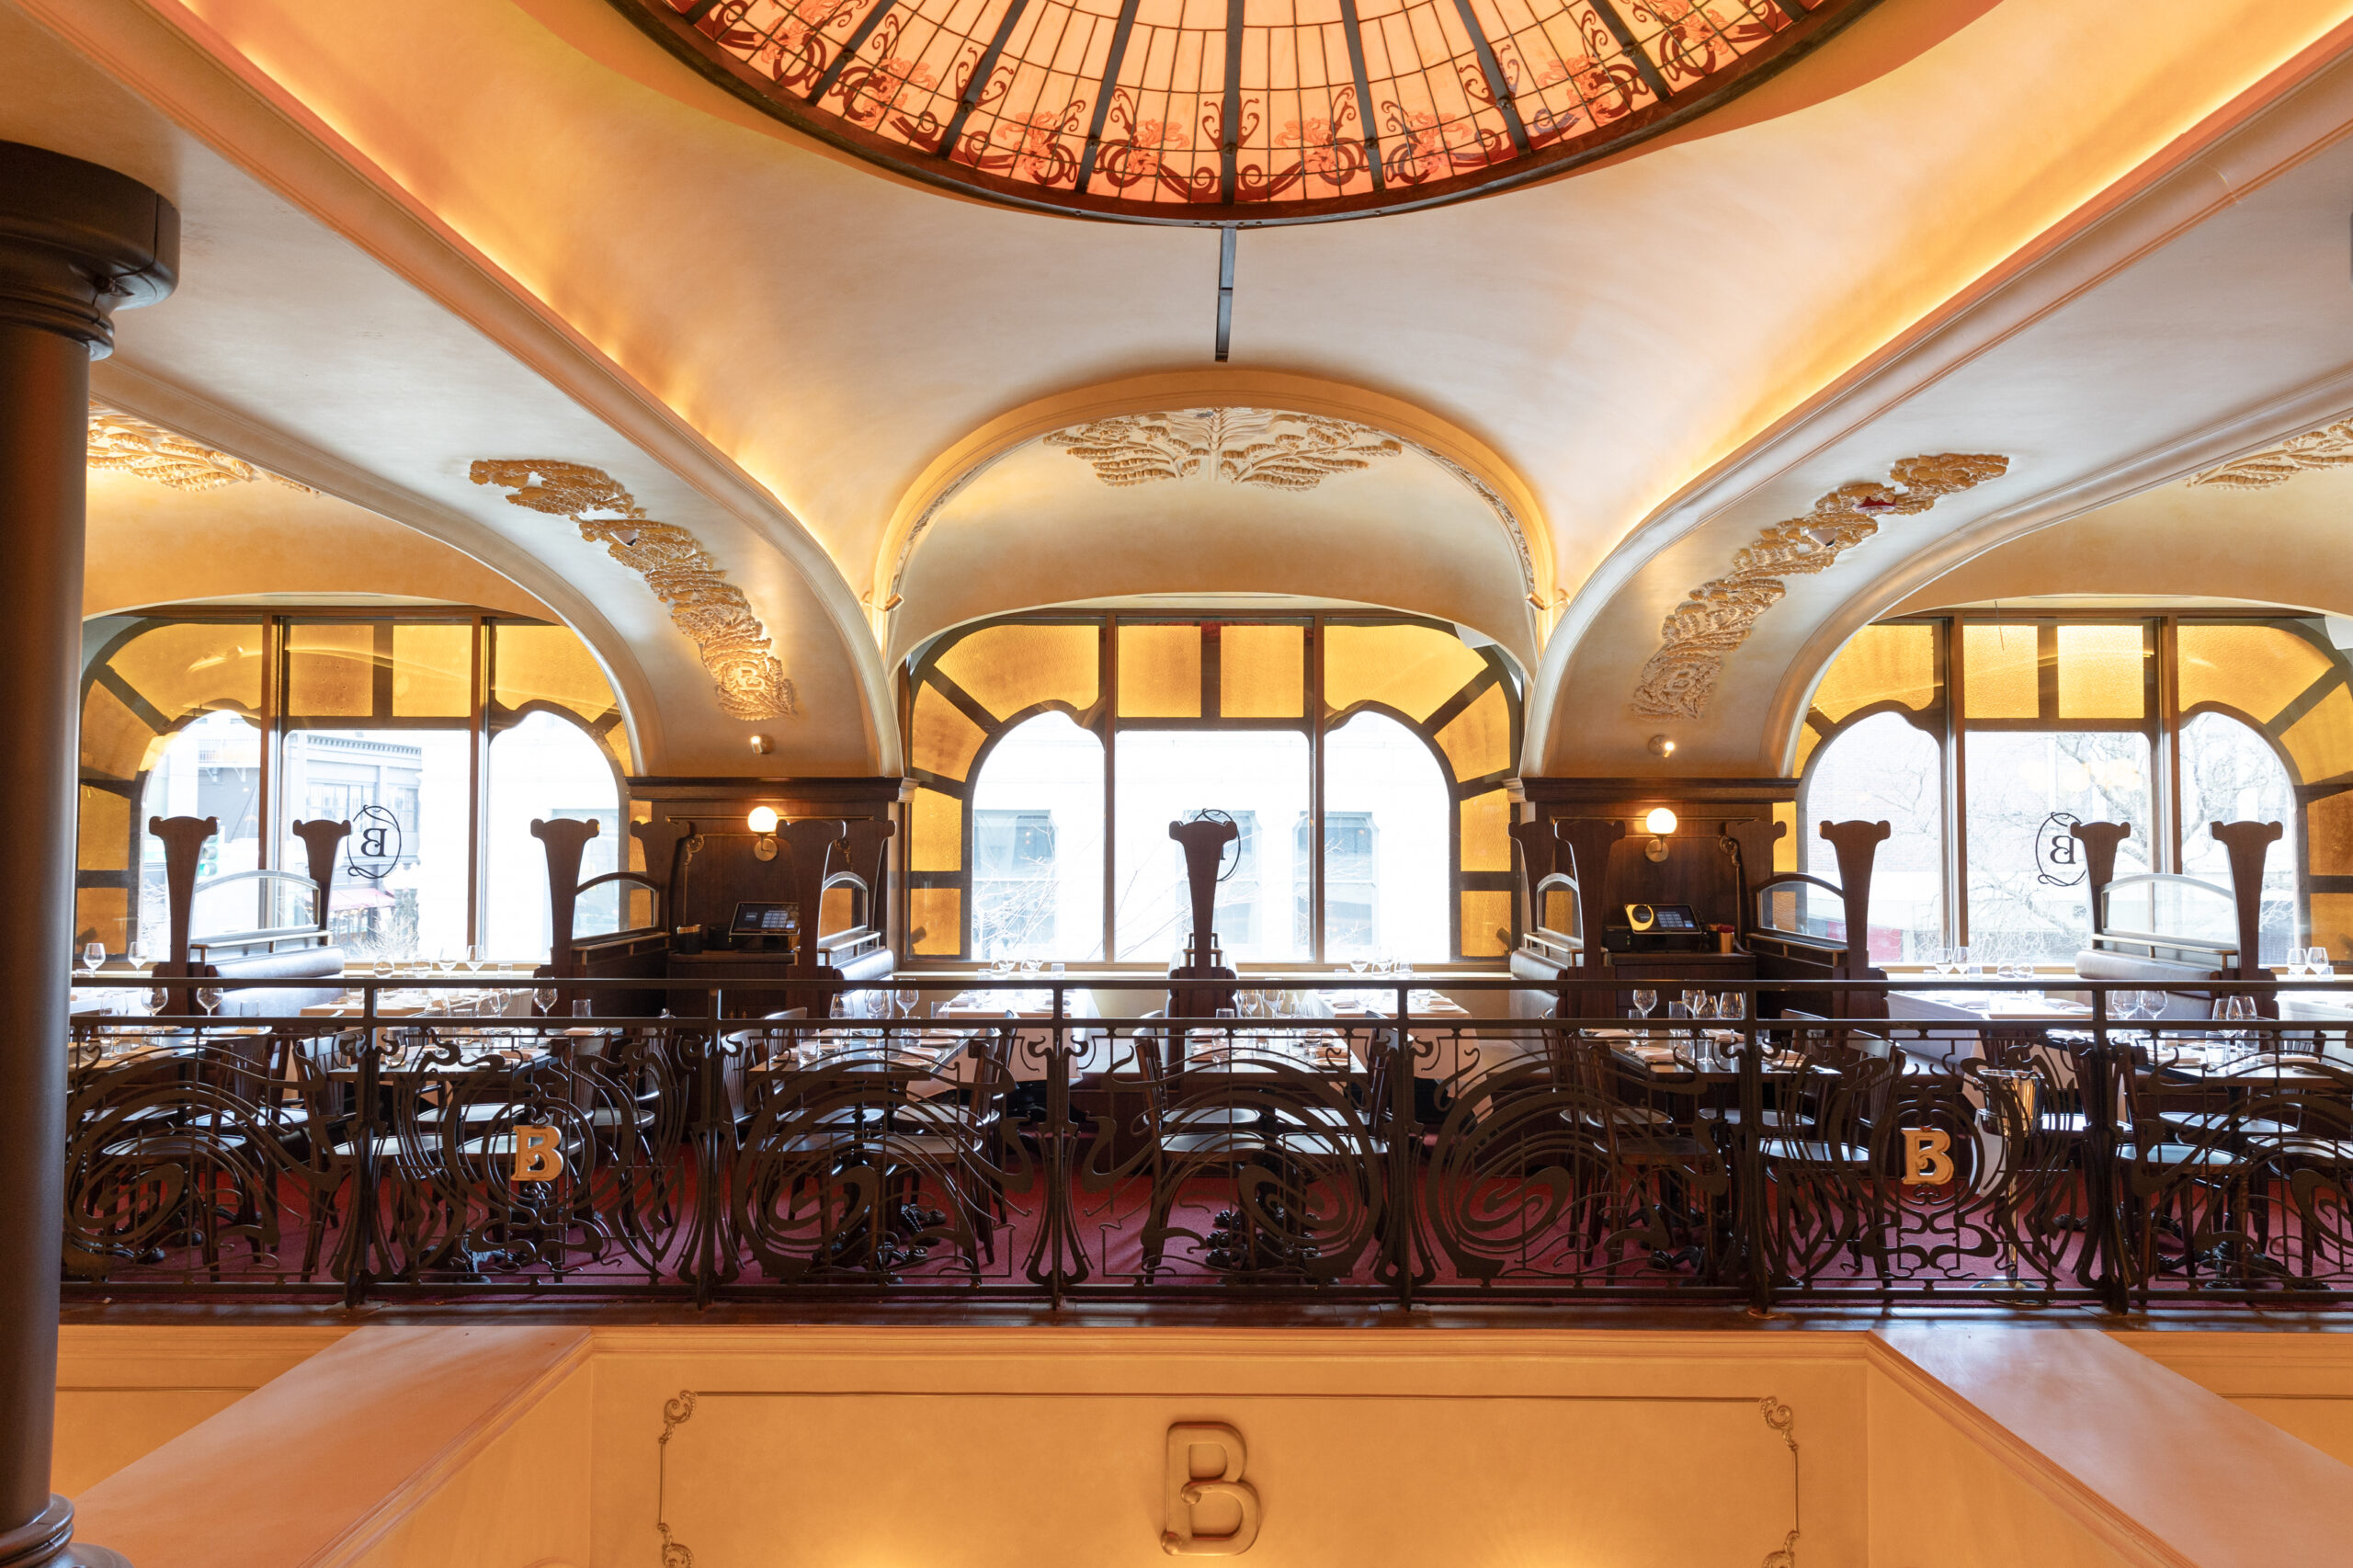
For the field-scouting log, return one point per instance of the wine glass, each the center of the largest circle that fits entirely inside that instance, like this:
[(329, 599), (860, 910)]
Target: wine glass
[(1732, 1005), (475, 955), (906, 999), (207, 1001), (1643, 1002), (94, 957), (544, 999)]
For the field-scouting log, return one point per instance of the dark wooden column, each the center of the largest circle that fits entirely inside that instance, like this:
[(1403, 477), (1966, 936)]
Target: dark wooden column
[(76, 242)]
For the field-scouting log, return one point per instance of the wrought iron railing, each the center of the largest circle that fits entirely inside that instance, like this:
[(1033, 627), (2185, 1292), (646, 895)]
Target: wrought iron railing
[(1398, 1155)]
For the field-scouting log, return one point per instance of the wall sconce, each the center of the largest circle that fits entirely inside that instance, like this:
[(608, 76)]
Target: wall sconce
[(1658, 825), (763, 822), (1662, 746), (763, 745)]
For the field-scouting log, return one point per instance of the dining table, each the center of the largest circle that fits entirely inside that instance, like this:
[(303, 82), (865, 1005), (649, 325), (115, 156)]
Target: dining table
[(1981, 1013), (1029, 1051), (1448, 1045)]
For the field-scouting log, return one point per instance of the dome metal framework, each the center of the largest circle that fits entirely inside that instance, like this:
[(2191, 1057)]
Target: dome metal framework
[(1242, 112)]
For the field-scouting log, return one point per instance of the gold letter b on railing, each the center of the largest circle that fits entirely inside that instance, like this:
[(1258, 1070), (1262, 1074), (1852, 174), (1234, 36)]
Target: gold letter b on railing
[(1927, 1156), (1188, 1490), (536, 1158)]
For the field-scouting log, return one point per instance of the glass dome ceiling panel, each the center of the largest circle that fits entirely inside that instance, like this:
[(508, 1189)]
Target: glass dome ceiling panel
[(1119, 108)]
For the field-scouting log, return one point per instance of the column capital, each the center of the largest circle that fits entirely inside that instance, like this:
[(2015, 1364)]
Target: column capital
[(76, 242)]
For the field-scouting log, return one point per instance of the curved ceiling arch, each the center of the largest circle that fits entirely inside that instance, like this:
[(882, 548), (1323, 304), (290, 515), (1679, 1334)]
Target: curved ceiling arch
[(1109, 443), (2252, 196)]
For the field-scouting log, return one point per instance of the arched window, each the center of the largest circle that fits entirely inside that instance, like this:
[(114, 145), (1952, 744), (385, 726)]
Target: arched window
[(2166, 722), (547, 765), (1385, 868), (380, 720), (1038, 842), (2229, 773), (1885, 768), (1403, 734)]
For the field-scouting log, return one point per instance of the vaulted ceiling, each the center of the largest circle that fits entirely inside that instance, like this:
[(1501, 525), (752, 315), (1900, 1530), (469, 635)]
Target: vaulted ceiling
[(428, 234)]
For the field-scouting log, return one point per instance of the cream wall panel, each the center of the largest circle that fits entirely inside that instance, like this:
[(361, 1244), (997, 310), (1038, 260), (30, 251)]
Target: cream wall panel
[(124, 1392)]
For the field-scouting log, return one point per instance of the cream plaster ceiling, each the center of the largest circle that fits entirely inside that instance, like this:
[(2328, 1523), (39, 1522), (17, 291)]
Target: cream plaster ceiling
[(152, 545), (427, 233), (1354, 535)]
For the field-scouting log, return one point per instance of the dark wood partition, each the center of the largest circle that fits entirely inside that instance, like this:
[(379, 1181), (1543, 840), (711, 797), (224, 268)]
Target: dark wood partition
[(1600, 823), (830, 855)]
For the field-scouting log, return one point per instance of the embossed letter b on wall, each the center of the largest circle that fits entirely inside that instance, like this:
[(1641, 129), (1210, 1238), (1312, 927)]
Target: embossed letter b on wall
[(1205, 1487)]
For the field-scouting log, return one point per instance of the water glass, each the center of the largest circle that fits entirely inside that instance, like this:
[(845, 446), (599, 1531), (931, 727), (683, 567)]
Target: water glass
[(582, 1007), (1732, 1005)]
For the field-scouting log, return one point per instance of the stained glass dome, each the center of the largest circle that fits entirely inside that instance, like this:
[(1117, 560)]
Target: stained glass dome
[(1119, 108)]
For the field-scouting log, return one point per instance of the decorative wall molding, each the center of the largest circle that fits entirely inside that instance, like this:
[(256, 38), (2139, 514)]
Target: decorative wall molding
[(2331, 446), (123, 443), (1701, 631), (1265, 446), (1270, 448), (709, 609)]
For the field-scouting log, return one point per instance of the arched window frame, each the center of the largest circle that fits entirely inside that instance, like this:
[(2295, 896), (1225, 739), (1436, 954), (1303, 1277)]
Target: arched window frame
[(2166, 717), (1102, 719), (485, 717)]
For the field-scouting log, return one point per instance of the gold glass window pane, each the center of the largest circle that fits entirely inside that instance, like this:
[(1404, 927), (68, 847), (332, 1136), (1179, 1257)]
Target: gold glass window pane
[(2328, 834), (1478, 740), (936, 920), (433, 672), (1785, 849), (2257, 669), (1883, 664), (935, 831), (114, 739), (1413, 669), (1486, 832), (180, 668), (2102, 672), (331, 670), (942, 739), (1487, 925), (1559, 911), (1262, 672), (2321, 742), (836, 908), (1808, 739), (102, 914), (551, 666), (2332, 924), (103, 843), (1008, 668), (2000, 664), (1160, 672)]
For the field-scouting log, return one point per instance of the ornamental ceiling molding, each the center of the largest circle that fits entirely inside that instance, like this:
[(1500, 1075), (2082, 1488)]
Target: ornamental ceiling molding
[(123, 443), (710, 609), (2331, 446), (1699, 633), (1270, 449)]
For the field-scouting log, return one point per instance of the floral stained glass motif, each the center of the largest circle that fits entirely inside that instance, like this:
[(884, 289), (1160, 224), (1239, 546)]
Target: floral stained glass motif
[(1198, 109)]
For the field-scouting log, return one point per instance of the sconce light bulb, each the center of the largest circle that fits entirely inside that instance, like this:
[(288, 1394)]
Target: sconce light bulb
[(762, 745), (1660, 821), (762, 819), (1662, 746)]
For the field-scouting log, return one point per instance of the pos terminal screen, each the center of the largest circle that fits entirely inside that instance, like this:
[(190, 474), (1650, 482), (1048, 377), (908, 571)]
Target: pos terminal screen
[(766, 920)]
